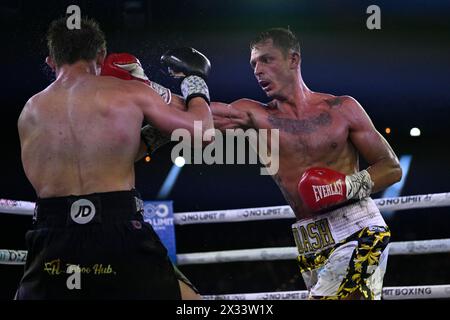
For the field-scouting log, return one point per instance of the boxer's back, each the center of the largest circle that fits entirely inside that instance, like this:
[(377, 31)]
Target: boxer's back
[(80, 136)]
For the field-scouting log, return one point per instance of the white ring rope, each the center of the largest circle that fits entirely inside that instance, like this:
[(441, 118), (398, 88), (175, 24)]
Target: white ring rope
[(263, 254), (18, 257), (13, 257), (262, 213), (285, 212), (389, 293), (17, 207), (288, 253)]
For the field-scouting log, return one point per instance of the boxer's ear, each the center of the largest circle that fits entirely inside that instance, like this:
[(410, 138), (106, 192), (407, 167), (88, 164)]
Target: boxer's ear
[(49, 61), (294, 60), (101, 55), (100, 60)]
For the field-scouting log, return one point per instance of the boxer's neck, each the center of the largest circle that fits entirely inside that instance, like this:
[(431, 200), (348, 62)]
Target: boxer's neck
[(296, 94), (77, 69)]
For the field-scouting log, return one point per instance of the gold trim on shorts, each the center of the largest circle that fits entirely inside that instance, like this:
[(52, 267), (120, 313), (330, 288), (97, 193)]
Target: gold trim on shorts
[(371, 243)]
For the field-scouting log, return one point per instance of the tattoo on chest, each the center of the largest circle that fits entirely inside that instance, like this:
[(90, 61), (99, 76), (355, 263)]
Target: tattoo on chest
[(308, 125)]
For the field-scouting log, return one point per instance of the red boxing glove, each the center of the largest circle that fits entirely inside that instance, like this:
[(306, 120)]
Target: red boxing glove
[(124, 66), (320, 188)]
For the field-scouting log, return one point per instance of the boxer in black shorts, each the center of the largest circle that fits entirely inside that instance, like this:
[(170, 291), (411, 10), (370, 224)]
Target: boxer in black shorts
[(79, 140), (104, 234)]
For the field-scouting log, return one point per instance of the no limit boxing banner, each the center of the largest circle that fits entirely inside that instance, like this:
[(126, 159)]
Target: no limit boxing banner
[(160, 215)]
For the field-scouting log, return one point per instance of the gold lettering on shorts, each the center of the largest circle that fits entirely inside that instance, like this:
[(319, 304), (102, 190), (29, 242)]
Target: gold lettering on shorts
[(101, 269), (325, 232), (314, 236), (297, 240), (305, 239), (53, 267)]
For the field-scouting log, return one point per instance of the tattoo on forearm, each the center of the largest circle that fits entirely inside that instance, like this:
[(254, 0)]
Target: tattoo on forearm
[(301, 126)]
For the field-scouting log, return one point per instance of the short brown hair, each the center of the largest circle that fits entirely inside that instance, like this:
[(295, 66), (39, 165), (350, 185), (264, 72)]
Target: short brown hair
[(68, 46), (282, 38)]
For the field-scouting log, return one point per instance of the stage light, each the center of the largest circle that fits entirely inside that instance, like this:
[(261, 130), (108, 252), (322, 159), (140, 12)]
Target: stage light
[(179, 161), (414, 132)]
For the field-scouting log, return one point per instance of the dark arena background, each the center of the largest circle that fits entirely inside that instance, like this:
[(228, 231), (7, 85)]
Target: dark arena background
[(400, 74)]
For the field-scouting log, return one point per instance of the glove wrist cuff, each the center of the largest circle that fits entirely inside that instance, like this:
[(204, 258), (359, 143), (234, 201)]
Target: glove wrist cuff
[(194, 86), (359, 185), (165, 93)]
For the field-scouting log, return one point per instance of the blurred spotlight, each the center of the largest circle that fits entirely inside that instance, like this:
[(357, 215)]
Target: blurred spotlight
[(169, 182), (147, 158), (396, 189), (180, 162), (415, 132), (387, 130)]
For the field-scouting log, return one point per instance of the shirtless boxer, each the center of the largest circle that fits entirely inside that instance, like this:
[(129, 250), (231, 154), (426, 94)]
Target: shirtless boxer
[(127, 67), (340, 233), (79, 139)]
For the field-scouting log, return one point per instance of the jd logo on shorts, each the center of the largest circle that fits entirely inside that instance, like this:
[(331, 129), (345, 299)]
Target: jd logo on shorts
[(82, 211)]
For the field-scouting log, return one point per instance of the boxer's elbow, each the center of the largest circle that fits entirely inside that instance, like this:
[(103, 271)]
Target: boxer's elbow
[(398, 174), (395, 170)]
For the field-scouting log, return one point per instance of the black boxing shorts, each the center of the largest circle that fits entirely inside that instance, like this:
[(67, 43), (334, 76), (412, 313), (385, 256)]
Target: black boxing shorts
[(95, 246)]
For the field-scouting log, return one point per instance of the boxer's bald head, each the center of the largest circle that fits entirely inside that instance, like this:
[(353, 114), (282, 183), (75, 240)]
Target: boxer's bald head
[(67, 46)]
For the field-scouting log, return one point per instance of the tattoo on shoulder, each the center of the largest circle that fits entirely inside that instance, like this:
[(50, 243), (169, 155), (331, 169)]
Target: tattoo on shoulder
[(334, 102), (308, 125)]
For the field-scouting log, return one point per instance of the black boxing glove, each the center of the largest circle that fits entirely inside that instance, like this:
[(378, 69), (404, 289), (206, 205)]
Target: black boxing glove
[(191, 65)]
